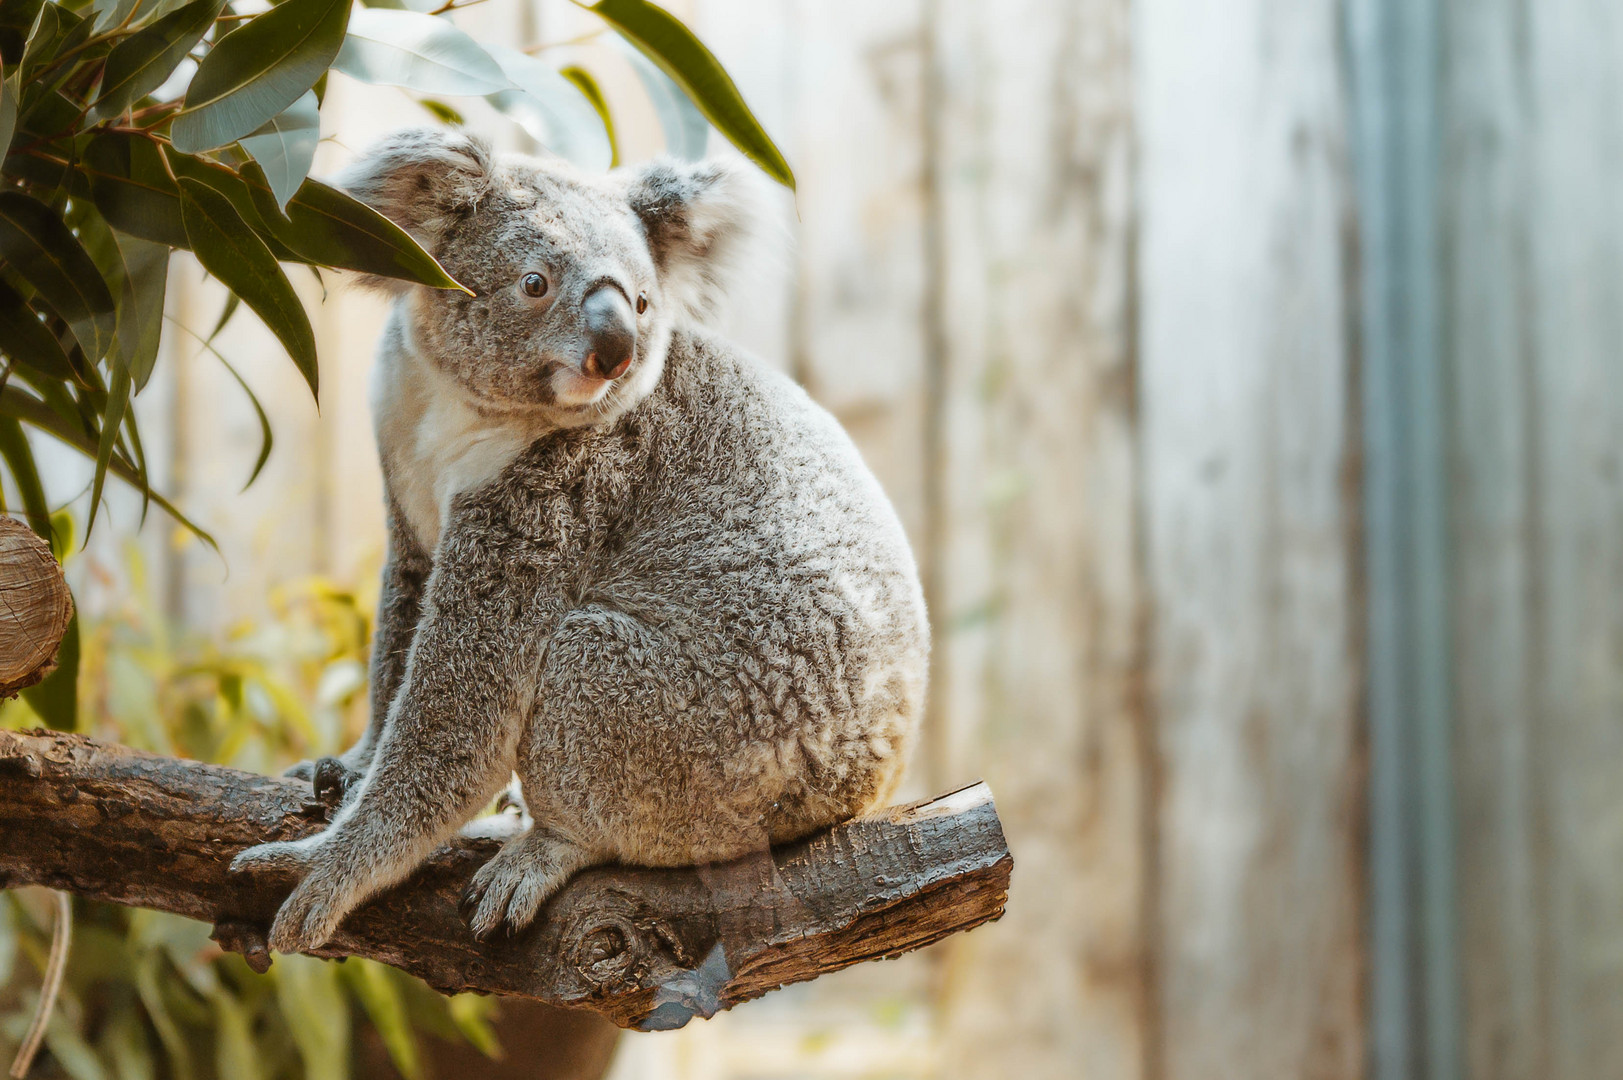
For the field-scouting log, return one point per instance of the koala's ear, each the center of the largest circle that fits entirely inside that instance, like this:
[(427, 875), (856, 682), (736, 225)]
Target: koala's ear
[(704, 221), (421, 178)]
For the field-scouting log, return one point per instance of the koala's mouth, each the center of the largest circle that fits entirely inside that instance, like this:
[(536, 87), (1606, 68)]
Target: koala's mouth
[(575, 390)]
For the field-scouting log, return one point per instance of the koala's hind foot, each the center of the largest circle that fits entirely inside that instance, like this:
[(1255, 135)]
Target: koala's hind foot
[(510, 888)]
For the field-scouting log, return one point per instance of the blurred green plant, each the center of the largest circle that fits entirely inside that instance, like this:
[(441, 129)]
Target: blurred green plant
[(148, 994)]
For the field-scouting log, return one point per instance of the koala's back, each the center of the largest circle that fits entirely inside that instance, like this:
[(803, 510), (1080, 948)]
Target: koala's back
[(744, 656)]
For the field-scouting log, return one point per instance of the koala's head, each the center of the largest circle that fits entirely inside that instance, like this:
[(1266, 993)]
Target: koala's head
[(578, 280)]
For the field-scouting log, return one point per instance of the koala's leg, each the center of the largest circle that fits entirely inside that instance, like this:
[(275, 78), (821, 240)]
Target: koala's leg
[(518, 879), (447, 749), (400, 606)]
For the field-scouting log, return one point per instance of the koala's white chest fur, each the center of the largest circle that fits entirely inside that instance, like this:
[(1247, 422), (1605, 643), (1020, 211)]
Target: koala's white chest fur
[(434, 442)]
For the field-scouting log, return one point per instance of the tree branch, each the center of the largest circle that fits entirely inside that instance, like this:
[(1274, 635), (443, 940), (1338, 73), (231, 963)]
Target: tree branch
[(647, 948)]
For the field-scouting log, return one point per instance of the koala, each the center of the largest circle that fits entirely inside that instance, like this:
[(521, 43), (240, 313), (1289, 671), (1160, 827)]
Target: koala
[(633, 567)]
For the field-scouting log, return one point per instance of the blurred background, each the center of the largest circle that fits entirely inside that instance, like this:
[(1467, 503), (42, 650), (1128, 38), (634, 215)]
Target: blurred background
[(1249, 377)]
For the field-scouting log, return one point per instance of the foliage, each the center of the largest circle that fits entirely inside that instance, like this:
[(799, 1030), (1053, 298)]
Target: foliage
[(135, 128), (147, 994)]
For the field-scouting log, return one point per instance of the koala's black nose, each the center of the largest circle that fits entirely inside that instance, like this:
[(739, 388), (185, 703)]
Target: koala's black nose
[(611, 332)]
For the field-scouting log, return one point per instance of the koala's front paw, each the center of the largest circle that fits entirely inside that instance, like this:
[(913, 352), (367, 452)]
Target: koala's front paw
[(315, 907), (310, 915), (290, 857), (510, 889)]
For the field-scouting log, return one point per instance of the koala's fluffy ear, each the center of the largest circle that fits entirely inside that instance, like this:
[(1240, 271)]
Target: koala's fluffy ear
[(705, 221), (420, 178)]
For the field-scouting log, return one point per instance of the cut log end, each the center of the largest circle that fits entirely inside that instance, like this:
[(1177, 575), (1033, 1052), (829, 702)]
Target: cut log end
[(647, 948), (35, 607)]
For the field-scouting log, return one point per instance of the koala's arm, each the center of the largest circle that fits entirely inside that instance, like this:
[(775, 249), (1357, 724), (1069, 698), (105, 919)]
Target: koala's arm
[(400, 606), (446, 749)]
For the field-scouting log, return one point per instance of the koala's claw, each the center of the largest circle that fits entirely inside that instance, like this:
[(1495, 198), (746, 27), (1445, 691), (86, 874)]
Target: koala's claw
[(307, 920), (508, 891)]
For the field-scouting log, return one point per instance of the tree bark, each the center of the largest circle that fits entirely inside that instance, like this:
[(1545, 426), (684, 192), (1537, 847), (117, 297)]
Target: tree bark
[(35, 607), (649, 949)]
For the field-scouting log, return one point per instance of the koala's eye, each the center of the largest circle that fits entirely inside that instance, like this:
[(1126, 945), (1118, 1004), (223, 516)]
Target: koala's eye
[(533, 284), (642, 302)]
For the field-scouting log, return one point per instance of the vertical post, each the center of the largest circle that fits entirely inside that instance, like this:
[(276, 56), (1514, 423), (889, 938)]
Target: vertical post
[(1414, 990)]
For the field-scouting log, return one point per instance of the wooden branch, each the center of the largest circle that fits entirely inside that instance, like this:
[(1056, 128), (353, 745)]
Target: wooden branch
[(35, 607), (647, 948)]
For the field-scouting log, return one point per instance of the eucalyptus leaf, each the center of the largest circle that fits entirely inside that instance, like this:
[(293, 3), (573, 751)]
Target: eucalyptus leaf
[(331, 228), (593, 93), (8, 110), (552, 109), (417, 51), (317, 1014), (663, 38), (16, 19), (118, 400), (137, 272), (26, 340), (442, 112), (230, 250), (143, 61), (257, 70), (387, 1011), (20, 405), (685, 128), (38, 246), (286, 146), (235, 1054), (132, 188), (19, 459)]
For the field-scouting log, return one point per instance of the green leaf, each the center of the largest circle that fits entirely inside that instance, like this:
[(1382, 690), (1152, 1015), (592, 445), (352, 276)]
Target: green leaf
[(70, 1051), (36, 243), (143, 61), (56, 697), (663, 39), (471, 1015), (133, 190), (685, 128), (441, 111), (232, 302), (137, 271), (19, 459), (387, 1010), (286, 145), (150, 988), (551, 109), (16, 19), (235, 1054), (265, 437), (410, 49), (328, 227), (593, 93), (267, 226), (229, 250), (317, 1015), (257, 70), (25, 339), (118, 399), (23, 406), (8, 110), (140, 310)]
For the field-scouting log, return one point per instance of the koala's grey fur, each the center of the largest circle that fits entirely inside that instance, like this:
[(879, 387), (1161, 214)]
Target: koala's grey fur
[(677, 605)]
